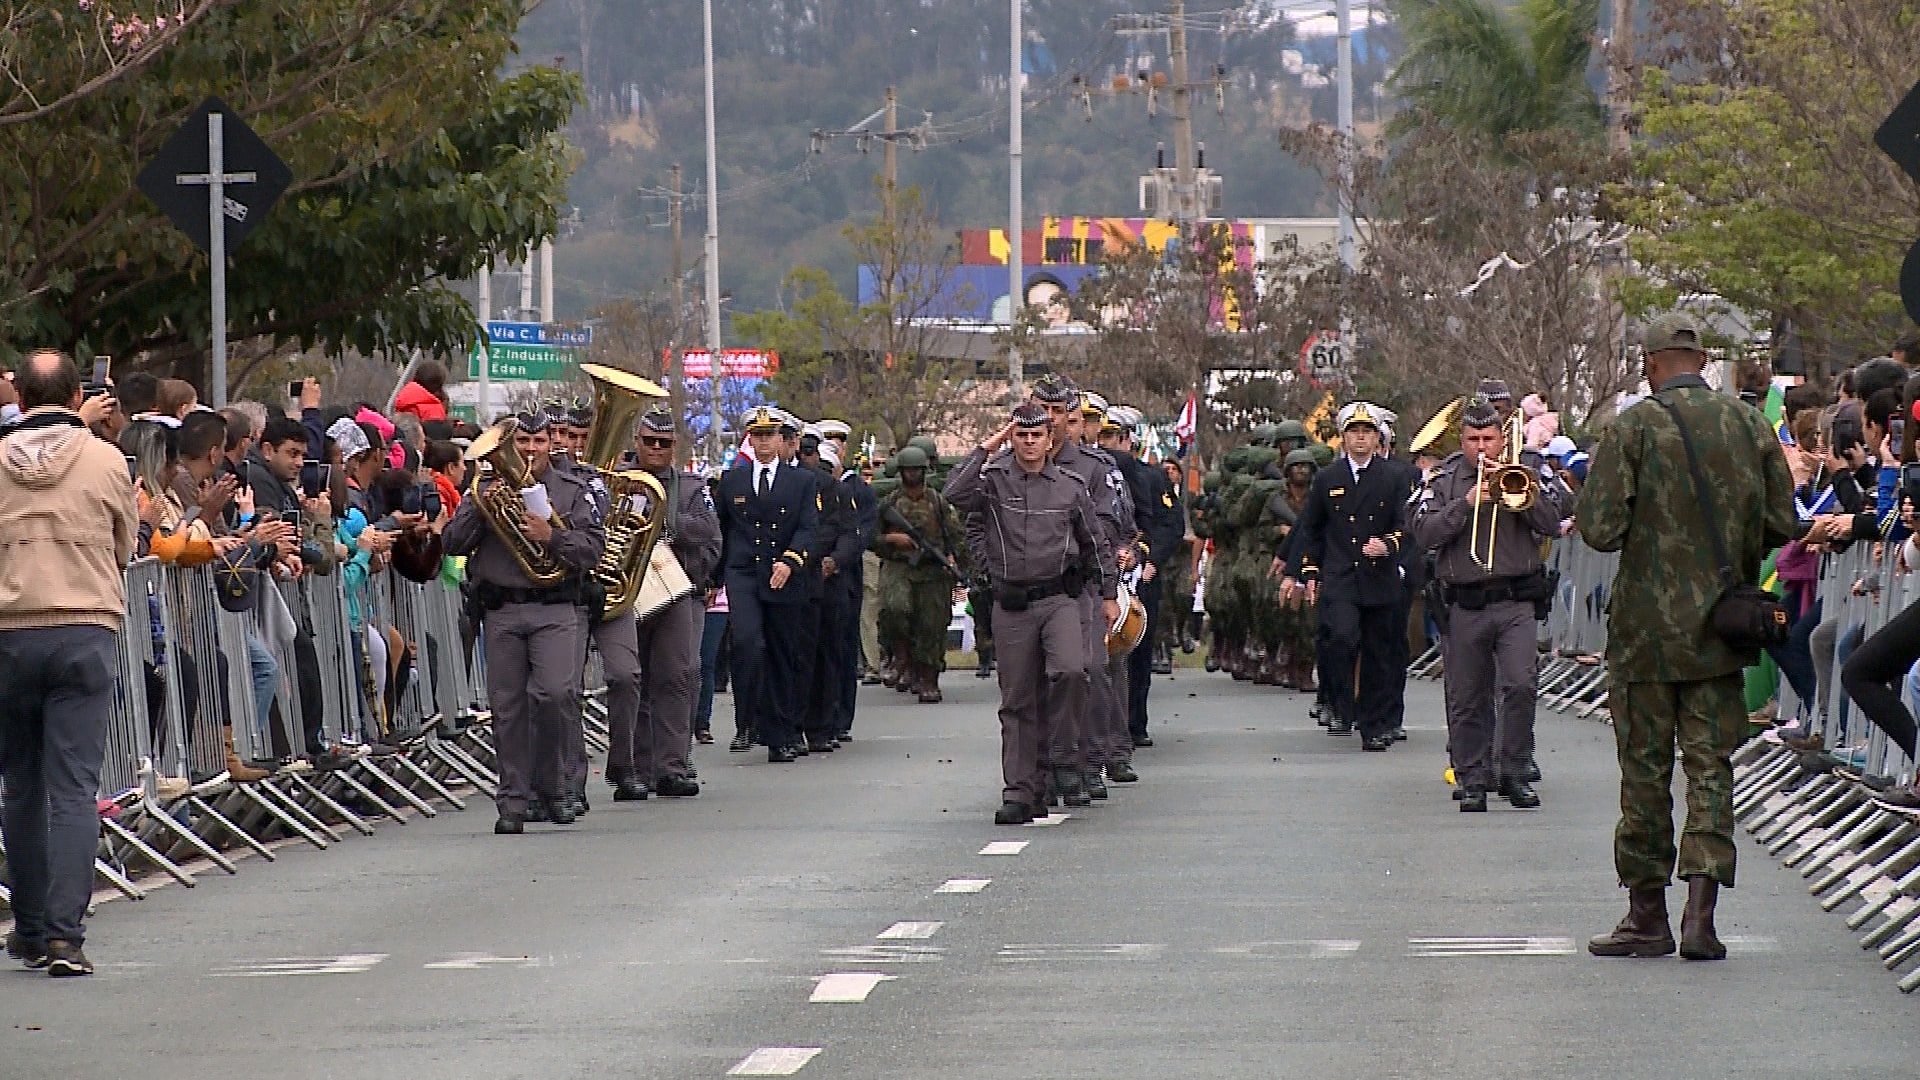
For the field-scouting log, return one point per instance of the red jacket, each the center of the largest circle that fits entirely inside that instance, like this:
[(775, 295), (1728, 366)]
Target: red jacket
[(415, 399)]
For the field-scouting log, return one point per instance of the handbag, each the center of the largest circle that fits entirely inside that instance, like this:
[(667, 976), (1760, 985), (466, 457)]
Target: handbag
[(1745, 616)]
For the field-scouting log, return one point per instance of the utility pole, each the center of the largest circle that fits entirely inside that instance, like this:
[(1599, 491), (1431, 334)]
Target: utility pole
[(1343, 54), (1186, 201), (676, 362), (546, 280), (1619, 77), (526, 285), (485, 411), (891, 161), (715, 368), (1016, 279)]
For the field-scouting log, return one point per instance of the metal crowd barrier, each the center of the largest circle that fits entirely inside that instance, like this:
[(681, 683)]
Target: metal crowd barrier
[(187, 684)]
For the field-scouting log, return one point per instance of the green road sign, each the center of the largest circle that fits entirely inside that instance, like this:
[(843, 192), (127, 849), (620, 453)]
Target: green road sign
[(529, 363)]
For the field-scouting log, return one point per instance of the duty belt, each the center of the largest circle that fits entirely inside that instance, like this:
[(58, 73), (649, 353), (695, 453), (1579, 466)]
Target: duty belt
[(1474, 597), (494, 597), (1015, 596)]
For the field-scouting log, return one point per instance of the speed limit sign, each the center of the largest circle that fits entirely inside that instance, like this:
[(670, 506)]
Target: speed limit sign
[(1323, 359)]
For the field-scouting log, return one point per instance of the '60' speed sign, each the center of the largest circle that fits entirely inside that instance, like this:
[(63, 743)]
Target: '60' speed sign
[(1323, 359)]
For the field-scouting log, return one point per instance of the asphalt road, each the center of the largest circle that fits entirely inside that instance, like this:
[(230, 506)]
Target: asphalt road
[(1268, 902)]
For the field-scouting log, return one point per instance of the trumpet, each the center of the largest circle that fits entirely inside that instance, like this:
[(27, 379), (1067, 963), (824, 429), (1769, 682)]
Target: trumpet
[(1505, 484)]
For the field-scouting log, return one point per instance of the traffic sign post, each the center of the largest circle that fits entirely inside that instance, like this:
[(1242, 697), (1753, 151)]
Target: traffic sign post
[(233, 205)]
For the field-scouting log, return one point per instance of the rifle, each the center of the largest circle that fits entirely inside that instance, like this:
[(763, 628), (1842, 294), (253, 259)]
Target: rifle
[(891, 515)]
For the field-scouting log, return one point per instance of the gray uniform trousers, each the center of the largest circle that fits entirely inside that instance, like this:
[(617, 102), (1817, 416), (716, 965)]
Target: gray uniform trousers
[(533, 683), (619, 643), (1079, 740), (1117, 730), (1040, 654), (670, 650), (1490, 677)]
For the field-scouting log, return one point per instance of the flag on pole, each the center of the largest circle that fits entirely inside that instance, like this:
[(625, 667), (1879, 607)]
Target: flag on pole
[(1188, 422)]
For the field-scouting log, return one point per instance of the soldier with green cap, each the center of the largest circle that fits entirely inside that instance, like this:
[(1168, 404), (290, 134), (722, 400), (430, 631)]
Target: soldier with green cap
[(919, 542), (1672, 679)]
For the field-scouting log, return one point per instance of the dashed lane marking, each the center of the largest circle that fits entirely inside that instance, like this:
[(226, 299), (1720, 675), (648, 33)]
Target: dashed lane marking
[(1489, 946), (775, 1061), (847, 987), (1750, 943), (919, 931), (1014, 954), (1048, 822), (347, 964), (1333, 948), (1004, 847), (476, 961), (887, 954), (964, 885)]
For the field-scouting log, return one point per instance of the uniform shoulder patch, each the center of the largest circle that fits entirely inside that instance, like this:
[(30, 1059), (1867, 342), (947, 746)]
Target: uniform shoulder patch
[(1166, 500)]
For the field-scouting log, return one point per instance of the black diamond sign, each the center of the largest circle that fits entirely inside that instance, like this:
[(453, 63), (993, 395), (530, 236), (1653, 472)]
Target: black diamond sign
[(185, 154), (1899, 137)]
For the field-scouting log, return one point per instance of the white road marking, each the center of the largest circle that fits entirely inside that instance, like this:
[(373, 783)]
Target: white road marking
[(1022, 953), (964, 885), (476, 961), (1490, 946), (347, 964), (1048, 822), (918, 931), (1331, 948), (1750, 943), (1004, 847), (887, 954), (847, 987), (775, 1061)]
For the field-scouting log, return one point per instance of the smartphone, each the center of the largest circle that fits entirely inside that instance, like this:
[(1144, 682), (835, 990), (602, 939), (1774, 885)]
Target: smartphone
[(296, 388), (133, 468), (1896, 434), (102, 366), (316, 478), (430, 501)]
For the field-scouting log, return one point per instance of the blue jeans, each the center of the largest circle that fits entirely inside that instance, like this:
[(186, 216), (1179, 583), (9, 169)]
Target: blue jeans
[(711, 632), (1795, 659), (266, 682)]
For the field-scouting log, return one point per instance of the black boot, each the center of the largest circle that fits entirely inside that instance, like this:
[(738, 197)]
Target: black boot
[(630, 788), (560, 810), (1067, 782), (1096, 787), (1519, 793), (1012, 813), (985, 670), (1644, 932), (1473, 800), (1698, 940)]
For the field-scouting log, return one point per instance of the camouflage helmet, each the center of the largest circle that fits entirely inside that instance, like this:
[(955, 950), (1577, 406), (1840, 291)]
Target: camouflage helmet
[(1264, 434), (926, 444), (1290, 429), (1323, 454), (910, 457), (1210, 483), (1302, 456)]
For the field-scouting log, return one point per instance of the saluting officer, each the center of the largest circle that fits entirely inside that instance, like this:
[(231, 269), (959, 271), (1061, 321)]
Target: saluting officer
[(668, 642), (1491, 578), (532, 633), (1041, 525), (1349, 539), (768, 512), (1073, 748)]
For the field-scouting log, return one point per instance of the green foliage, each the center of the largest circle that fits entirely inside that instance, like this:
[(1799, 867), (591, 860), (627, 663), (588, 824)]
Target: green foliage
[(1756, 178), (401, 178), (1472, 66)]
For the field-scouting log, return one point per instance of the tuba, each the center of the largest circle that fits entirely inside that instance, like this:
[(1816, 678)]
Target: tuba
[(500, 502), (1440, 435), (637, 502)]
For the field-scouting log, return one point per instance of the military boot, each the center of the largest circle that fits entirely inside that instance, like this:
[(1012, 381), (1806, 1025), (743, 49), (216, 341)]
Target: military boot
[(1698, 940), (1067, 782), (1644, 932), (985, 670), (927, 685), (1095, 783)]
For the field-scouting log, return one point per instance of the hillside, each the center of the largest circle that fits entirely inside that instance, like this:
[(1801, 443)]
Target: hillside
[(788, 67)]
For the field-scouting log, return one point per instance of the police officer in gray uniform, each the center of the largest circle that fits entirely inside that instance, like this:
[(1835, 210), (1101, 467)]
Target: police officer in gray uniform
[(1079, 744), (532, 633), (567, 429), (1038, 520), (1491, 581), (670, 637)]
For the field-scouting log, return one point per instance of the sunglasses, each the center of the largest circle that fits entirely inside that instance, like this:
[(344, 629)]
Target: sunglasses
[(656, 443)]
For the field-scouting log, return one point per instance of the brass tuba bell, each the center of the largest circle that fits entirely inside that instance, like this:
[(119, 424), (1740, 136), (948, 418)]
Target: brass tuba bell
[(637, 503)]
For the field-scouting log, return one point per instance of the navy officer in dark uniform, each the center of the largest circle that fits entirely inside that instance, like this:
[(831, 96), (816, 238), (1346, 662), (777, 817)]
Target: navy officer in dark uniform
[(768, 513), (1351, 535)]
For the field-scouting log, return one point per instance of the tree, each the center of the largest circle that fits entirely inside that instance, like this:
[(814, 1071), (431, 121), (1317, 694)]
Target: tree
[(1474, 67), (886, 366), (1755, 177), (400, 183)]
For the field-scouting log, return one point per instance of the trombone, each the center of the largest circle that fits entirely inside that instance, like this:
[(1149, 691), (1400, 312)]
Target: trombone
[(1506, 484)]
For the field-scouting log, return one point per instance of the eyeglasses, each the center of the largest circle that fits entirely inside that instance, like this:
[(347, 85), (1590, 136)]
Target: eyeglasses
[(656, 444)]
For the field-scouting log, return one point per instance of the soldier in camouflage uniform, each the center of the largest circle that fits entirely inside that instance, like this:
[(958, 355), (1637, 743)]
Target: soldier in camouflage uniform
[(916, 589), (1297, 622), (1671, 678)]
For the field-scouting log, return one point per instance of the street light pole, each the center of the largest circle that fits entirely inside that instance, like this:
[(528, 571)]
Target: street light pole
[(1016, 283), (715, 369)]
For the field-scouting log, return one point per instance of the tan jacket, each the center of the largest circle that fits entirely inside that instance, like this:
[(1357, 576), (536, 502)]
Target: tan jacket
[(67, 525)]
